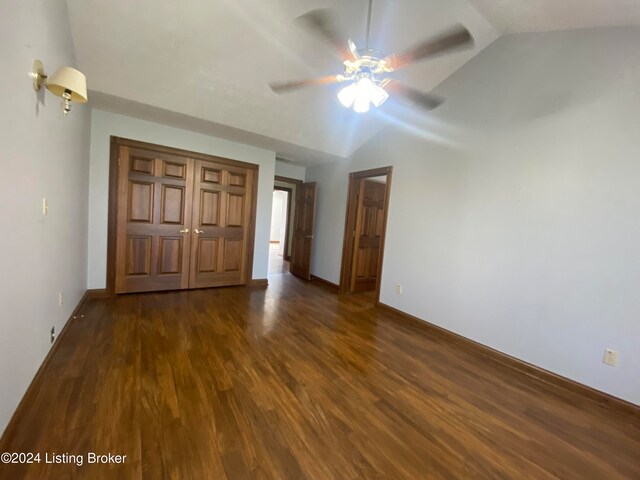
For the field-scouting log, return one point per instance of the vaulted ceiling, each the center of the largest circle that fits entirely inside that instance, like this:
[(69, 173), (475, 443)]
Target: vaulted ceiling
[(516, 16), (205, 64)]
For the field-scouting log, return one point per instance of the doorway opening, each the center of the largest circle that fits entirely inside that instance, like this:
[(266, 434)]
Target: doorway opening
[(279, 238), (290, 251), (365, 229)]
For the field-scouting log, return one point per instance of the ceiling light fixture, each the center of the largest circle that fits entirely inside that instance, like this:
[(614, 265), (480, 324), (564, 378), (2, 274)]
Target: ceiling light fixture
[(367, 72), (362, 93), (66, 82)]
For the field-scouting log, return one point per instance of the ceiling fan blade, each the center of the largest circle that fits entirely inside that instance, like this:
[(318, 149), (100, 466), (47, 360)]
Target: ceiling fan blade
[(424, 100), (322, 22), (457, 37), (286, 87)]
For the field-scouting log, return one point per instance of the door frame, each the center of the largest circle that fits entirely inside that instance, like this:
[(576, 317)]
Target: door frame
[(112, 222), (289, 191), (290, 208), (350, 223)]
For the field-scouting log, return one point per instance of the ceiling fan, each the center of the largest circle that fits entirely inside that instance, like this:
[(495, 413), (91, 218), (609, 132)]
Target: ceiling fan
[(366, 70)]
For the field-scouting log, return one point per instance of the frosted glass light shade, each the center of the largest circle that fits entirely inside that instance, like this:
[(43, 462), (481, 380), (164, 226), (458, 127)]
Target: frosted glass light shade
[(67, 78), (361, 105), (348, 95), (361, 94), (378, 95)]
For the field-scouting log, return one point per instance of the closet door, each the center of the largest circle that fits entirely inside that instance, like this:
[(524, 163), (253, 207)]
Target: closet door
[(155, 192), (221, 222)]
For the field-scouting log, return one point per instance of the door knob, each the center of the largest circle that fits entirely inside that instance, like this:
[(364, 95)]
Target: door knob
[(198, 231), (184, 230)]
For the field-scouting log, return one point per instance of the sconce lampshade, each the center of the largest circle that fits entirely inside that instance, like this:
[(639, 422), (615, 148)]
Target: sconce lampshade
[(67, 78)]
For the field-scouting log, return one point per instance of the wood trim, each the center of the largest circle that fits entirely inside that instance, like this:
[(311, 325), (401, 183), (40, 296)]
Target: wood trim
[(349, 224), (112, 219), (604, 399), (252, 227), (98, 293), (327, 283), (258, 283), (112, 222), (28, 397), (127, 142), (278, 178), (373, 172)]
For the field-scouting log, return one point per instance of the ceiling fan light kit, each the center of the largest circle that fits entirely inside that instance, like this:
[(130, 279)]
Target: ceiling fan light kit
[(365, 88), (362, 93), (367, 71)]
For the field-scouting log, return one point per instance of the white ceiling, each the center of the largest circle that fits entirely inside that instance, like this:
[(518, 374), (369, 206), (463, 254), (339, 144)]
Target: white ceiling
[(212, 60), (205, 64), (515, 16)]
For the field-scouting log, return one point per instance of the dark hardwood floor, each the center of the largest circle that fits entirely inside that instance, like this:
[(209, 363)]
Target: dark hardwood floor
[(294, 382)]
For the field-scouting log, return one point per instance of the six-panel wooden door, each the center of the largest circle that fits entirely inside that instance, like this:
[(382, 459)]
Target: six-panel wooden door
[(181, 222), (368, 234), (154, 216), (221, 220), (303, 224)]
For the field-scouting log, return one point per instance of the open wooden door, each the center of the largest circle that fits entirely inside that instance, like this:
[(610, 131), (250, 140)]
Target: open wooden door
[(304, 220), (364, 232), (368, 234)]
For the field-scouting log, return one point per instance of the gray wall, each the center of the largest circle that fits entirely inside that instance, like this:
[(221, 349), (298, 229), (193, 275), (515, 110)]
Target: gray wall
[(105, 124), (514, 207), (43, 155), (289, 170)]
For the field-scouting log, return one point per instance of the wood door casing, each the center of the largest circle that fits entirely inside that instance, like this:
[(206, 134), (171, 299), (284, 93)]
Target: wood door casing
[(347, 263), (303, 227), (368, 234), (221, 224), (154, 205)]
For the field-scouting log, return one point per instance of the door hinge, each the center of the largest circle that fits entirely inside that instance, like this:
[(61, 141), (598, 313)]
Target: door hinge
[(118, 161)]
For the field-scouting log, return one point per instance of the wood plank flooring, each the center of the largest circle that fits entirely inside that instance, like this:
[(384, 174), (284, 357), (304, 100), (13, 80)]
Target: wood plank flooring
[(294, 382)]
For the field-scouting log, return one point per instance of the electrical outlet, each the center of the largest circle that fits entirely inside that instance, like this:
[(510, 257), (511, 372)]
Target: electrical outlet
[(45, 206), (399, 289), (60, 299), (53, 334), (610, 357)]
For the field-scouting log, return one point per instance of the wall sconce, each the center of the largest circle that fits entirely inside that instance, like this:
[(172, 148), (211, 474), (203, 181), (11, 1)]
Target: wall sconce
[(66, 82)]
